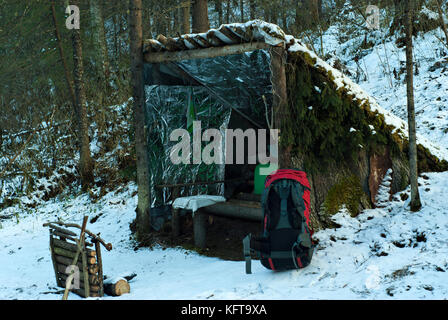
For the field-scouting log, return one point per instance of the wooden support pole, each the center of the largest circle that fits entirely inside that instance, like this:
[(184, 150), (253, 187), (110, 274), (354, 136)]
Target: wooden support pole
[(280, 101), (53, 259), (100, 267), (80, 244), (85, 274), (200, 228)]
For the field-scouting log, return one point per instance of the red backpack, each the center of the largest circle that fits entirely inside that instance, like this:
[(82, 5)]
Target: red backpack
[(286, 241)]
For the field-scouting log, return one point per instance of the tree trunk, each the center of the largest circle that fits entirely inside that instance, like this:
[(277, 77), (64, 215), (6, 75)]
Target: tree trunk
[(136, 50), (242, 10), (415, 197), (218, 7), (186, 17), (442, 21), (68, 78), (200, 16), (116, 287), (252, 9), (283, 16), (228, 11), (85, 159), (99, 38)]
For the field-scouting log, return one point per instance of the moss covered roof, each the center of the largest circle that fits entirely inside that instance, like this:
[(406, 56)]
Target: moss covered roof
[(260, 31), (398, 127)]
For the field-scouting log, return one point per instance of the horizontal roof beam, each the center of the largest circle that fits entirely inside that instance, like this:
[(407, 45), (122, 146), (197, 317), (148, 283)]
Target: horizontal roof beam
[(172, 56)]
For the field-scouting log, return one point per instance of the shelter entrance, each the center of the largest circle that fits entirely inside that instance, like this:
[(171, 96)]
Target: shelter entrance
[(225, 92)]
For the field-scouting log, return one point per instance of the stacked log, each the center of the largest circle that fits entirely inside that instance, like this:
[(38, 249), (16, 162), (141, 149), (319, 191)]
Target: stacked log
[(63, 252), (116, 287)]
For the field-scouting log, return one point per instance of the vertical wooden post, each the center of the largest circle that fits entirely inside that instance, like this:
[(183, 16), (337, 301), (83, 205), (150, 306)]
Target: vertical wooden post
[(138, 94), (199, 229), (175, 214), (280, 101), (53, 259), (100, 267), (85, 271)]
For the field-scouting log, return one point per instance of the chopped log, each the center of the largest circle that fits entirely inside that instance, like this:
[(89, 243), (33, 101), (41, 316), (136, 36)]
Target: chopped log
[(116, 287), (71, 254), (169, 43), (92, 269), (71, 247)]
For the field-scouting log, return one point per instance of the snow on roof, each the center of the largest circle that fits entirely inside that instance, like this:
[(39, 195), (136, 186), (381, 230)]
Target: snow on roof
[(260, 31)]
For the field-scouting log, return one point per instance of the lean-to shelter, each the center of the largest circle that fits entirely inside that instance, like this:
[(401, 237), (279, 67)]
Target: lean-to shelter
[(253, 76)]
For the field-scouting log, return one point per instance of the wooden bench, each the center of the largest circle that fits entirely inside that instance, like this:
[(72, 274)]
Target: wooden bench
[(233, 208)]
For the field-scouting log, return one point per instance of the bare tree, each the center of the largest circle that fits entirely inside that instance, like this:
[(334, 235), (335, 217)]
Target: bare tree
[(218, 8), (200, 21), (85, 159), (415, 197), (252, 9), (442, 21), (136, 51), (99, 37), (68, 77), (186, 17)]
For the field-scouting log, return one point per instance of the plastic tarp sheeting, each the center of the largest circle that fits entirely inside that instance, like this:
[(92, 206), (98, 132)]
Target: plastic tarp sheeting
[(206, 90)]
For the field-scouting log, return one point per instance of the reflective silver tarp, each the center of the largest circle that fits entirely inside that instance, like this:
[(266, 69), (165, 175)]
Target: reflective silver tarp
[(215, 88)]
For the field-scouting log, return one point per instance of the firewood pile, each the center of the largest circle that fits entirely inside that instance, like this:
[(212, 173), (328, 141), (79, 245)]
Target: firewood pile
[(76, 260)]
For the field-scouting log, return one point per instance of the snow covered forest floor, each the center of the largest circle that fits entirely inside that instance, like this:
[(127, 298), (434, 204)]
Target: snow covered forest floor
[(384, 253)]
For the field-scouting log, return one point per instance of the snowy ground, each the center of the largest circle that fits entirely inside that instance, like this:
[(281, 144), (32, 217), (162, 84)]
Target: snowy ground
[(387, 253)]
